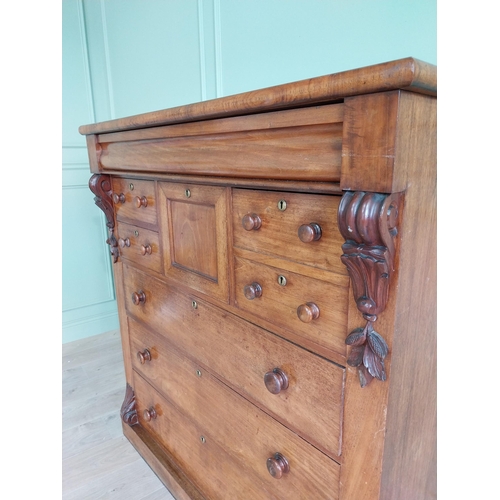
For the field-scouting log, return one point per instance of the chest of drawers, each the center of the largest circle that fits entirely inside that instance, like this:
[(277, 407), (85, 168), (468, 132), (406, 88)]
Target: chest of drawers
[(274, 261)]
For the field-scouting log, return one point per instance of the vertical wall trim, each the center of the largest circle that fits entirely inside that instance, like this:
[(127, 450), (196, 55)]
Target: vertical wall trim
[(218, 48), (203, 63), (86, 69), (108, 61)]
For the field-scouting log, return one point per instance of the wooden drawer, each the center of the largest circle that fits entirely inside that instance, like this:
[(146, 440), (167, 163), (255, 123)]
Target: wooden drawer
[(207, 464), (279, 296), (277, 233), (135, 201), (248, 436), (241, 354), (139, 245)]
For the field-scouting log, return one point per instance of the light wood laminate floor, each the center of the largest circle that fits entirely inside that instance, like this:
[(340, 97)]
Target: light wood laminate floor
[(98, 461)]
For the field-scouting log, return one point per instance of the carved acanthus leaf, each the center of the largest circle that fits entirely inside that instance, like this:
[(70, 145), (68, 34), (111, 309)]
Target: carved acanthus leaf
[(368, 222), (128, 411)]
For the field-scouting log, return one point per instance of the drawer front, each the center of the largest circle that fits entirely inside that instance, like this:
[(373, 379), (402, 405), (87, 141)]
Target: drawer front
[(242, 354), (261, 223), (206, 463), (139, 245), (248, 435), (314, 309), (194, 236), (135, 200)]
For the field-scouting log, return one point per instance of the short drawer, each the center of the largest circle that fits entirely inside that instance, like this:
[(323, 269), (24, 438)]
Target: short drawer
[(271, 221), (135, 200), (240, 353), (311, 308), (139, 245), (249, 437)]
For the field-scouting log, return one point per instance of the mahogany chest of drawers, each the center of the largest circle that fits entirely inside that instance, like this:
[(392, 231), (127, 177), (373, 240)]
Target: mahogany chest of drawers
[(274, 261)]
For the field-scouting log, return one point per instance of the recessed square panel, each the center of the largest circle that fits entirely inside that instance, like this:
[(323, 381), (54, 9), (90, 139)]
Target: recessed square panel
[(194, 241)]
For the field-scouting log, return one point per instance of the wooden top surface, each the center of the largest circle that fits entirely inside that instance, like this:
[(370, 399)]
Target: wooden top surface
[(407, 74)]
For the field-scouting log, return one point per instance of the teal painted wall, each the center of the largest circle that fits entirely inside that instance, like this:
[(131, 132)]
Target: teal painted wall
[(123, 57)]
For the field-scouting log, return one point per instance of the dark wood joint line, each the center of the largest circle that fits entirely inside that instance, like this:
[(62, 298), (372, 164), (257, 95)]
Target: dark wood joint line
[(128, 411), (100, 185), (369, 224)]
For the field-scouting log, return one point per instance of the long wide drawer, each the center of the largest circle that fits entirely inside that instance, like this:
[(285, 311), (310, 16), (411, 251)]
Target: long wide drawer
[(249, 358), (251, 439)]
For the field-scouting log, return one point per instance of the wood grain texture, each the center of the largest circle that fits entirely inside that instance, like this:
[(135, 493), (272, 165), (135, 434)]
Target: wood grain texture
[(194, 236), (280, 303), (389, 447), (278, 234), (231, 425), (409, 469), (241, 355), (127, 211), (407, 73)]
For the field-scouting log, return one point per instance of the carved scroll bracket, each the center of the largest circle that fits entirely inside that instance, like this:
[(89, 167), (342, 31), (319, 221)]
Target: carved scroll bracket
[(128, 410), (100, 185), (368, 222)]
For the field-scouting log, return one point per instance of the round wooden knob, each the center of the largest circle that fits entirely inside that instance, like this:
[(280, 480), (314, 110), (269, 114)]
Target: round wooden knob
[(124, 242), (309, 232), (308, 312), (138, 297), (251, 221), (252, 291), (276, 381), (144, 356), (149, 414), (146, 249), (118, 198), (277, 465), (141, 201)]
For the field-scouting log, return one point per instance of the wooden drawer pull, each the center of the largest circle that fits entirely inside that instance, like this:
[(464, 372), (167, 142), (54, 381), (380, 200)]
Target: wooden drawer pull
[(124, 242), (277, 465), (141, 201), (276, 381), (252, 291), (144, 356), (251, 221), (118, 198), (138, 297), (308, 312), (146, 249), (309, 232), (149, 414)]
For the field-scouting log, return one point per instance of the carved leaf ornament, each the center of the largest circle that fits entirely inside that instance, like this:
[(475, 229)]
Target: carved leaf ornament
[(100, 185), (367, 221)]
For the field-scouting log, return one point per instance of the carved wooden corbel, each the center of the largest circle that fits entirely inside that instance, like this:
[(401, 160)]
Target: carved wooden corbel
[(128, 410), (368, 222), (100, 185)]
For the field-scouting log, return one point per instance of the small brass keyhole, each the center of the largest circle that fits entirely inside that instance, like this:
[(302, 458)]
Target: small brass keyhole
[(282, 205), (281, 280), (202, 439), (187, 193), (136, 233), (194, 304), (198, 372), (131, 187)]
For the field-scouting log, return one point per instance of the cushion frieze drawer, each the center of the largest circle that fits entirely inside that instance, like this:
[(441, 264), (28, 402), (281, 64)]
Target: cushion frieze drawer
[(250, 437), (295, 226), (135, 200), (139, 245), (249, 358)]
